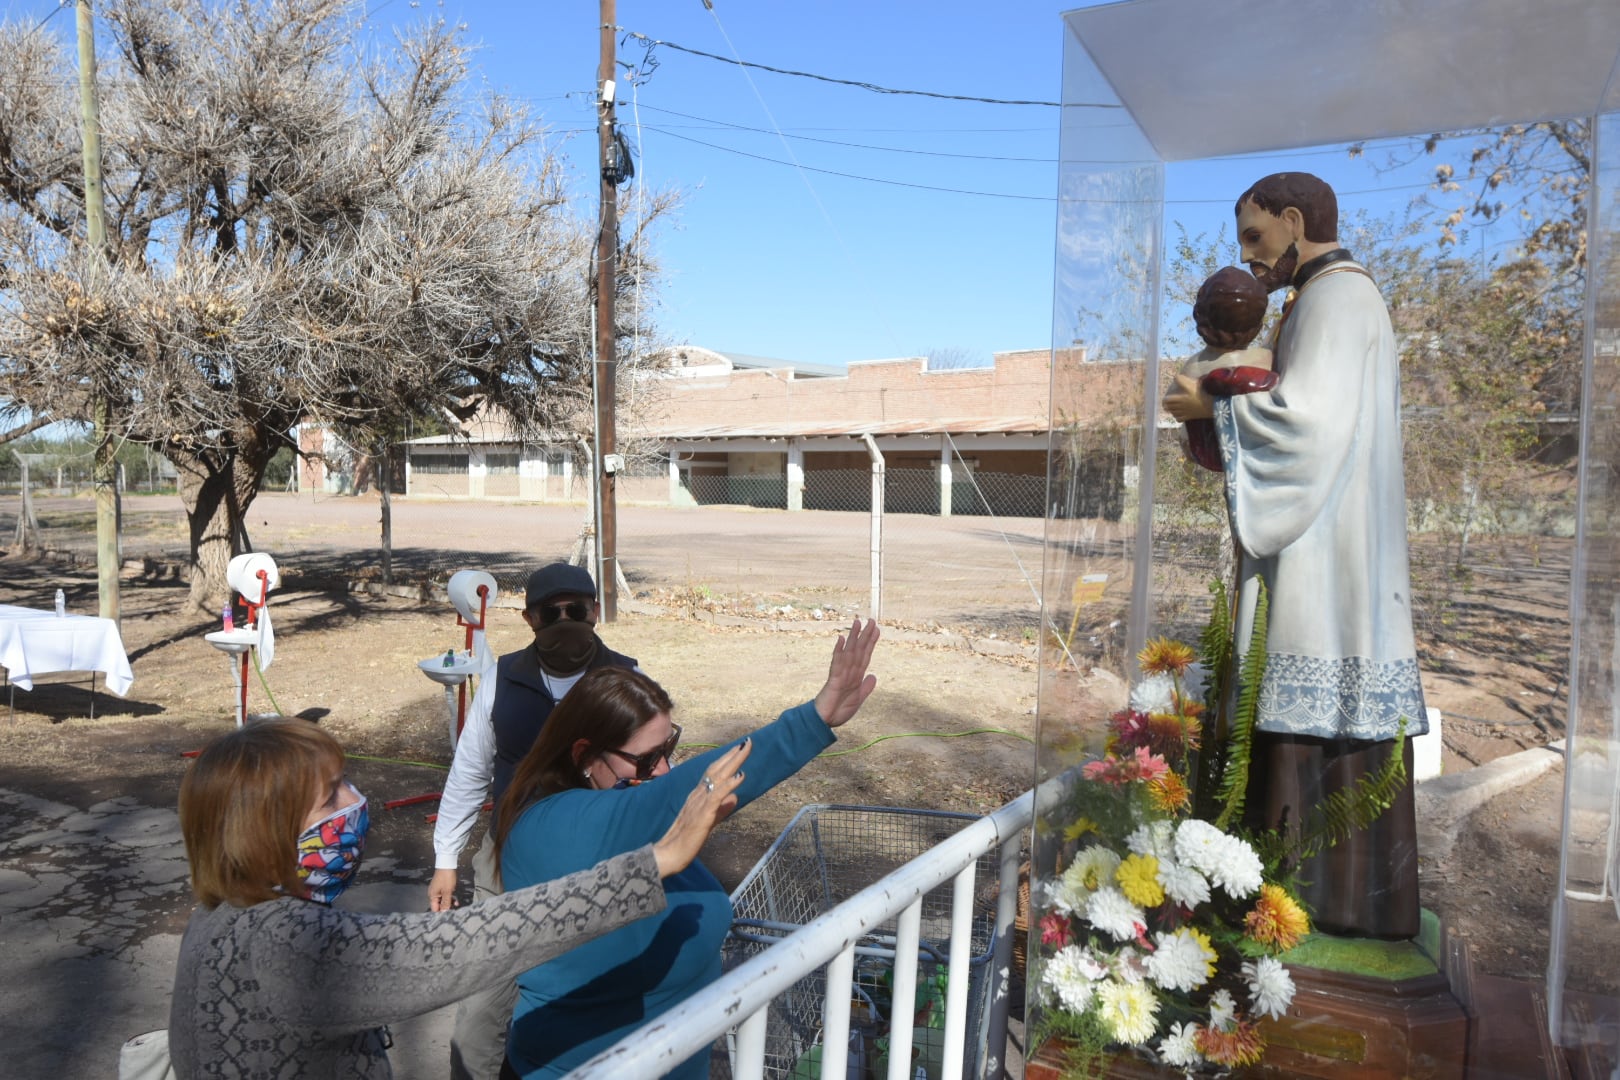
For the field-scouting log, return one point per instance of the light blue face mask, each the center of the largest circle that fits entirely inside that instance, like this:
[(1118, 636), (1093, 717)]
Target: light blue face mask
[(329, 851)]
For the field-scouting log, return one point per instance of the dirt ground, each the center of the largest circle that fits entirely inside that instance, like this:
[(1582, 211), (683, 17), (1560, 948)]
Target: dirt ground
[(947, 729)]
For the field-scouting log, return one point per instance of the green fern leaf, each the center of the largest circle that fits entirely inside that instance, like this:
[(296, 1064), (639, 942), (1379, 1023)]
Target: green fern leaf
[(1355, 807), (1240, 740)]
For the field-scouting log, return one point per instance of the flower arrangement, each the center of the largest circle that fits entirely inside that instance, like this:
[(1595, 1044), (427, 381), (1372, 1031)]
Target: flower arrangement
[(1162, 927)]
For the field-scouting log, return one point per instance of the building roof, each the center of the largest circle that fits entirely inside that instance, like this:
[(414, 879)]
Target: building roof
[(810, 429)]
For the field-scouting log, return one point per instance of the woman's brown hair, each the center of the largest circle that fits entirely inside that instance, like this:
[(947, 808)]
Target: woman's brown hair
[(243, 804), (605, 708)]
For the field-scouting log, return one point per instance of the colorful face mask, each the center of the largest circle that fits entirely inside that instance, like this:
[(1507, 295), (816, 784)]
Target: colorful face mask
[(329, 851)]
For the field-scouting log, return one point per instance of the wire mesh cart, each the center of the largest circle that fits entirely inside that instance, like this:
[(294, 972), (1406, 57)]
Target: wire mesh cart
[(826, 855)]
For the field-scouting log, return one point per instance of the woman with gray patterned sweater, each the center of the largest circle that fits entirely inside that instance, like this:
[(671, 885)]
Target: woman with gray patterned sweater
[(273, 982)]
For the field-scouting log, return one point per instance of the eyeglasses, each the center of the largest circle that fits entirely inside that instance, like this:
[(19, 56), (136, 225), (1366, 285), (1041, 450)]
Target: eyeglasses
[(646, 763), (577, 610)]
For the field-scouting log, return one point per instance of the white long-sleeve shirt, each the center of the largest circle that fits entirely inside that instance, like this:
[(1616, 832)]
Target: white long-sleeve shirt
[(472, 769)]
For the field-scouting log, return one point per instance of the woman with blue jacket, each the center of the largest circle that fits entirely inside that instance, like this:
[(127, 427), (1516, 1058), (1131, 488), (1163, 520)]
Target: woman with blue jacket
[(599, 782)]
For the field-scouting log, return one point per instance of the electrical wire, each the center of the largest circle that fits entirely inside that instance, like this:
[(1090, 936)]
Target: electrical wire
[(854, 145), (855, 176), (859, 272), (652, 43)]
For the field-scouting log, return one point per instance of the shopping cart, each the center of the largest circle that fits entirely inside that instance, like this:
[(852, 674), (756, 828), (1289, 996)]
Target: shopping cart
[(826, 855)]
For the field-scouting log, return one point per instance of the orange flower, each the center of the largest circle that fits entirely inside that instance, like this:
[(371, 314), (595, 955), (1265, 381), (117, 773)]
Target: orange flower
[(1169, 793), (1161, 656), (1242, 1045), (1277, 919)]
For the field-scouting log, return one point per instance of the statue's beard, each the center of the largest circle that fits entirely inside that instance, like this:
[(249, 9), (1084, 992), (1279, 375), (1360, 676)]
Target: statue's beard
[(1280, 274)]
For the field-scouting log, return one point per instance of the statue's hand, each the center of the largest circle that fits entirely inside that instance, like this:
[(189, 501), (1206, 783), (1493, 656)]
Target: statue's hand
[(1186, 400)]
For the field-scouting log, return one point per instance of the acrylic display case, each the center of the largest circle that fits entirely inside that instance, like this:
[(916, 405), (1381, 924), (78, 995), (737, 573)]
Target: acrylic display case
[(1182, 96)]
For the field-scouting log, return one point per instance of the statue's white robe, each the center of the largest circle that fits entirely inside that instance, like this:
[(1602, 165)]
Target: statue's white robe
[(1317, 504)]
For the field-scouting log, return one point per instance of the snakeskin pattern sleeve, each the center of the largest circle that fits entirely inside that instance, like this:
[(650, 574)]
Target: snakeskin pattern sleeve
[(282, 988)]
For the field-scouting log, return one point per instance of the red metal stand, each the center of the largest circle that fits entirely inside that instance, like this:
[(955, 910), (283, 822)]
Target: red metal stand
[(253, 609), (461, 702)]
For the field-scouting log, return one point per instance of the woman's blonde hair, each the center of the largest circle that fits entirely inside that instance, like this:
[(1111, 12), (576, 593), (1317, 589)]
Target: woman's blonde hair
[(243, 804)]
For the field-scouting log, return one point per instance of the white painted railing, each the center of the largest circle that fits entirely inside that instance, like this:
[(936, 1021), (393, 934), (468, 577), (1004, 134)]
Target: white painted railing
[(740, 999)]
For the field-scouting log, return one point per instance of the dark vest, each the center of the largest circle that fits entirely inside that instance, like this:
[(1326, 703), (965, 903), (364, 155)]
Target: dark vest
[(522, 704)]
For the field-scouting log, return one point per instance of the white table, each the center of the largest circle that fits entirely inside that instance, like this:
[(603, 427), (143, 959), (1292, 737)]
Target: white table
[(34, 642)]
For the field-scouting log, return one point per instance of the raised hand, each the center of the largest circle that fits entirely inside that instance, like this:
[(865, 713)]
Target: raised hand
[(848, 684), (708, 804)]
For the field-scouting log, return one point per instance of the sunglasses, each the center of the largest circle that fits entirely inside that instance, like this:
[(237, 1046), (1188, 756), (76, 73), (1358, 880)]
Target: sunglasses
[(577, 610), (646, 763)]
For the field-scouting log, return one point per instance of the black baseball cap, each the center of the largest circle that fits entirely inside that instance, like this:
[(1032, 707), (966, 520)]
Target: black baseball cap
[(557, 579)]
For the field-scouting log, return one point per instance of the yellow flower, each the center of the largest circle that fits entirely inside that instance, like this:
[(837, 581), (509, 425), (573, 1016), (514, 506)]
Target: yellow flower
[(1129, 1010), (1161, 656), (1138, 878), (1277, 920), (1080, 828), (1169, 793)]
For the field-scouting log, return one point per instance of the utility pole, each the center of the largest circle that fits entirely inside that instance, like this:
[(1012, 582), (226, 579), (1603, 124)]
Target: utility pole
[(105, 474), (607, 266)]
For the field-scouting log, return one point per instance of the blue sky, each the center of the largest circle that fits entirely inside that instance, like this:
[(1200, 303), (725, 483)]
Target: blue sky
[(771, 260)]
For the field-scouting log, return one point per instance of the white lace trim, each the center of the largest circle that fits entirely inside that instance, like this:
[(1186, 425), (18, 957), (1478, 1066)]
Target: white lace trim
[(1337, 698)]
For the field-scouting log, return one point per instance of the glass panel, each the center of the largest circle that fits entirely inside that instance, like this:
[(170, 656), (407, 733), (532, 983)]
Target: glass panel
[(1582, 992), (1127, 556)]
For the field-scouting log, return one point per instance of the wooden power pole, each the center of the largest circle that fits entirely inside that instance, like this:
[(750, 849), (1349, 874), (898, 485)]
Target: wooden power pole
[(607, 266), (105, 475)]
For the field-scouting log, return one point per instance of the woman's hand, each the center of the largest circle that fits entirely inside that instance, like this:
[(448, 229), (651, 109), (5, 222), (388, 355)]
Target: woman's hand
[(848, 684), (710, 801)]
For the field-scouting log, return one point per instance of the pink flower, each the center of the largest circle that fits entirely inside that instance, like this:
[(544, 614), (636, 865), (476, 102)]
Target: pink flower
[(1055, 930), (1149, 766)]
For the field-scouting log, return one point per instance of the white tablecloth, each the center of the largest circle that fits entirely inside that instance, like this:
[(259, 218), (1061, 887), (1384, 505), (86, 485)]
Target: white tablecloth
[(34, 642)]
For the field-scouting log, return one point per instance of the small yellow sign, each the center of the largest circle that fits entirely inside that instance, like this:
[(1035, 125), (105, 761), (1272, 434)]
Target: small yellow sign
[(1089, 589)]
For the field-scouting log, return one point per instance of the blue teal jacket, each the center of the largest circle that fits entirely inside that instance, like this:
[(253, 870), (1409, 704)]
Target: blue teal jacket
[(572, 1008)]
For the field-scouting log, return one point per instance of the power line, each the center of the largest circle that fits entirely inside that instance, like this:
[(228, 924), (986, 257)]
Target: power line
[(988, 194), (652, 43), (852, 176), (854, 145)]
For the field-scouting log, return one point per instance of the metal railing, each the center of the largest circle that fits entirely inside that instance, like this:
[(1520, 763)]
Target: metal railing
[(740, 1000)]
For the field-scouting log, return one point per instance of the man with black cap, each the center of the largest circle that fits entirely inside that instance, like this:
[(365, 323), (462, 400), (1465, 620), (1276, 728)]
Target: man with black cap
[(507, 713)]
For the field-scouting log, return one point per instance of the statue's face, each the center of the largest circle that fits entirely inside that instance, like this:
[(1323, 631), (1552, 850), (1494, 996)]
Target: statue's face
[(1268, 245)]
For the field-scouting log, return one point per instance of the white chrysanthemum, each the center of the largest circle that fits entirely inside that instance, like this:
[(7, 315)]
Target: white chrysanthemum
[(1154, 694), (1222, 1011), (1091, 869), (1179, 1047), (1129, 1011), (1156, 838), (1183, 884), (1066, 974), (1270, 986), (1129, 965), (1200, 845), (1238, 870), (1194, 681), (1109, 911), (1181, 961)]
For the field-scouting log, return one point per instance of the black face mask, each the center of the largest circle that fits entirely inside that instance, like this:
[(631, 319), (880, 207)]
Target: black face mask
[(565, 647)]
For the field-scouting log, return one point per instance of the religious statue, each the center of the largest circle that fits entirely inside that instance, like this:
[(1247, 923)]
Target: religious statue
[(1228, 312), (1317, 505)]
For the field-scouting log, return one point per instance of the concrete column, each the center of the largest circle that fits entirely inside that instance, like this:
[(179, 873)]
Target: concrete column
[(945, 476), (477, 469), (567, 475), (795, 475), (674, 477)]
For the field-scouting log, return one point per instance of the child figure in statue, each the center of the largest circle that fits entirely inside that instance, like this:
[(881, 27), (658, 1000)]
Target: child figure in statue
[(1228, 313)]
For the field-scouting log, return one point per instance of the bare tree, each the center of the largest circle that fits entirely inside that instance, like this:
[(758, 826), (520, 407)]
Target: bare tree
[(299, 229)]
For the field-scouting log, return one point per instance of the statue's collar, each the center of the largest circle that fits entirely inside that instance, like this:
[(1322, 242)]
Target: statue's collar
[(1318, 264)]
